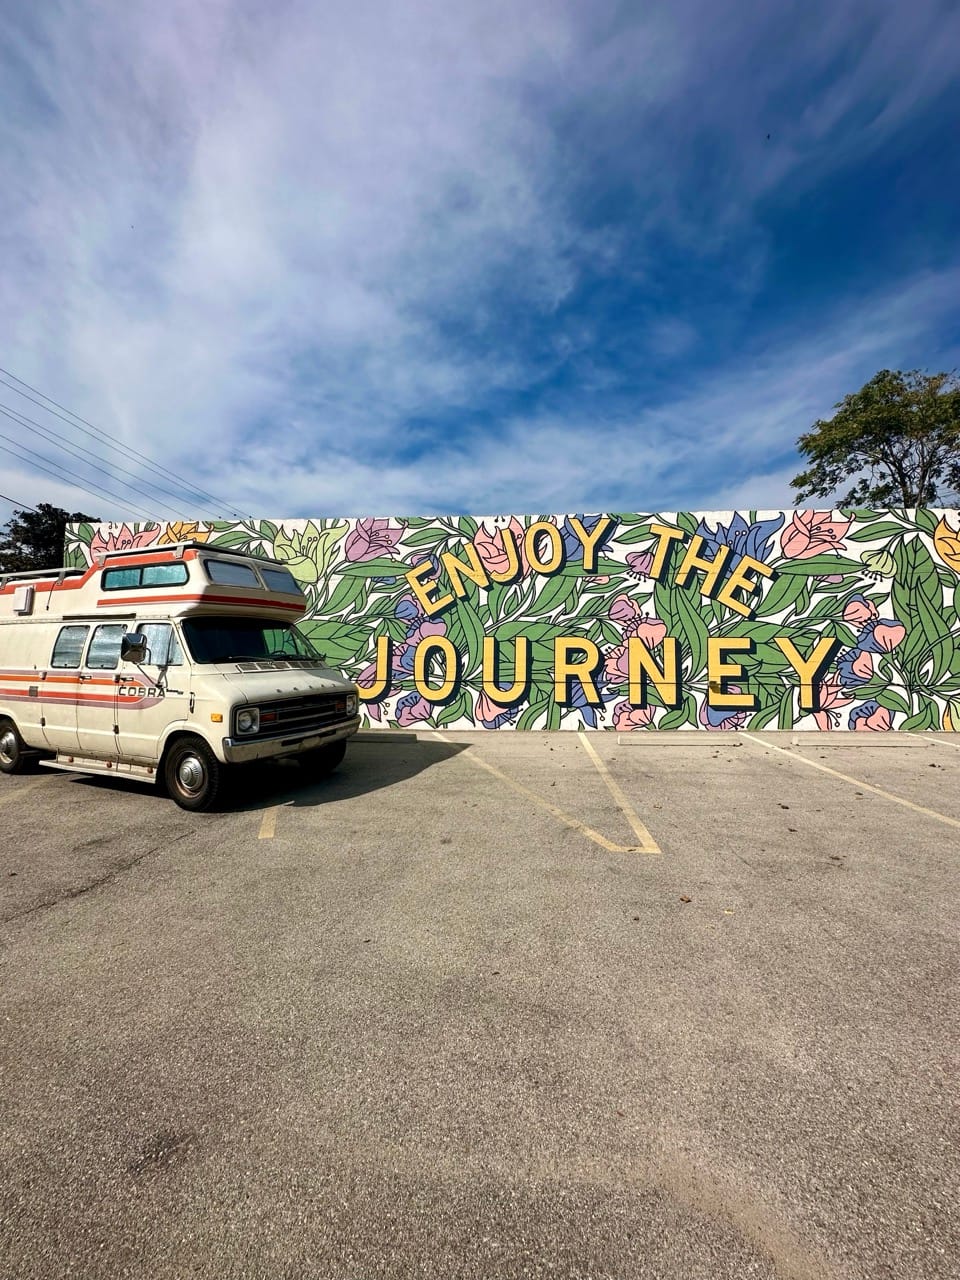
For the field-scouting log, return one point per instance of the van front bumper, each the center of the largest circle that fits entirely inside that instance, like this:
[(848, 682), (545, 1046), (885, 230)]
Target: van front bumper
[(246, 750)]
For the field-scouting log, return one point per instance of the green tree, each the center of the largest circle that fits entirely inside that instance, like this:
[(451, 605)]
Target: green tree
[(897, 439), (35, 539)]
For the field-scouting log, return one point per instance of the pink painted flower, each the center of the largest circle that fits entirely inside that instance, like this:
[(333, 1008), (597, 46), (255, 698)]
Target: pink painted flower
[(615, 665), (831, 697), (870, 716), (627, 718), (859, 611), (490, 546), (493, 715), (122, 539), (370, 538), (888, 634), (810, 533)]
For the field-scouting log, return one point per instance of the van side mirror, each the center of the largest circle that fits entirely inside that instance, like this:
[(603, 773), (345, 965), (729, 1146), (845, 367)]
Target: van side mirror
[(133, 647)]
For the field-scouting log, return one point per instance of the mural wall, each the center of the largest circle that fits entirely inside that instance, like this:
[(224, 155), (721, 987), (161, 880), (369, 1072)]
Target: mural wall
[(636, 622)]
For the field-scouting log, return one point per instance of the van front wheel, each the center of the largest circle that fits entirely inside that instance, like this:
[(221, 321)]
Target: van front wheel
[(12, 757), (193, 775)]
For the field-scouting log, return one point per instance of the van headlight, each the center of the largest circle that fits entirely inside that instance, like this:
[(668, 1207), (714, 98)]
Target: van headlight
[(248, 720), (351, 704)]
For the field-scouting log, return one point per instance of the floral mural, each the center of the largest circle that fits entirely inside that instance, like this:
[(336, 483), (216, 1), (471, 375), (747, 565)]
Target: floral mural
[(807, 620)]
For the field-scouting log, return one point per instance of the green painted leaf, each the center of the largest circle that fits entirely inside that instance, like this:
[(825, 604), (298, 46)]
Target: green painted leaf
[(381, 567), (818, 566)]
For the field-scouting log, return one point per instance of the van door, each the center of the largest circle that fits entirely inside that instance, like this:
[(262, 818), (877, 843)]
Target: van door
[(97, 705), (152, 695), (60, 689)]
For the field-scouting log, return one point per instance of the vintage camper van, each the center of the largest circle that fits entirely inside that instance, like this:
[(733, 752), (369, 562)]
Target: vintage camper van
[(168, 664)]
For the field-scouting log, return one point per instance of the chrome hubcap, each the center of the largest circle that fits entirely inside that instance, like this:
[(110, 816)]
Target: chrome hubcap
[(190, 773), (8, 746)]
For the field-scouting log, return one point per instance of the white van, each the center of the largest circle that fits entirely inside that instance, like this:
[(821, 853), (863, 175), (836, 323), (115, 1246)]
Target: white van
[(166, 664)]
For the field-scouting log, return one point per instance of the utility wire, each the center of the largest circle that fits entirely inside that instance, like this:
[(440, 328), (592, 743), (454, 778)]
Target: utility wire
[(59, 474), (105, 437), (21, 506), (55, 438)]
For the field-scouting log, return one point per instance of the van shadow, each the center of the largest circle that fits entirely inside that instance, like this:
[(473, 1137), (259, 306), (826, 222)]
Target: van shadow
[(368, 767)]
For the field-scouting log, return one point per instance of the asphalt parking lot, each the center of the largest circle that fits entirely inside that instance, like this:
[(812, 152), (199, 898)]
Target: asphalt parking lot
[(494, 1005)]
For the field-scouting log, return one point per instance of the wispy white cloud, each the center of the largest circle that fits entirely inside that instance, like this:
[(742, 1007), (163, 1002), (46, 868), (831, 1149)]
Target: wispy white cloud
[(308, 255)]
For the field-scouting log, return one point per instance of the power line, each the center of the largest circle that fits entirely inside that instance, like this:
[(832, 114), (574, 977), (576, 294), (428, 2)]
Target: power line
[(59, 474), (55, 438), (111, 441), (21, 506)]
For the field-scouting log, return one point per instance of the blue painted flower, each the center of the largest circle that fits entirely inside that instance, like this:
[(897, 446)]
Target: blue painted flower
[(744, 539), (855, 667), (589, 711), (881, 636), (407, 609)]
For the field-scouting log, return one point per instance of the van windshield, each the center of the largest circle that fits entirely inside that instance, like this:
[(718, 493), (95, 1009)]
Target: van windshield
[(246, 640)]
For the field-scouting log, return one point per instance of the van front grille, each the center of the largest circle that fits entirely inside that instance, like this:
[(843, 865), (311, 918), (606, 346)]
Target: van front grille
[(300, 716)]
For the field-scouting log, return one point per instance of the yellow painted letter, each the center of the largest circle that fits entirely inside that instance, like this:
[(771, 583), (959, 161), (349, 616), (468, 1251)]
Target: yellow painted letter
[(491, 673), (642, 666), (424, 590), (591, 540), (811, 669), (719, 672), (371, 692), (457, 570), (667, 534), (425, 650), (738, 581), (694, 560), (556, 546), (583, 669)]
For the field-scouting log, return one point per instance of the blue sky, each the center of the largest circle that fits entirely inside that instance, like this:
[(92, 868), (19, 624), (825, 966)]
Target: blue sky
[(370, 258)]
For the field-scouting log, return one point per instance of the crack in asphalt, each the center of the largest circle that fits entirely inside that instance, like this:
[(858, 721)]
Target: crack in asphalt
[(78, 891)]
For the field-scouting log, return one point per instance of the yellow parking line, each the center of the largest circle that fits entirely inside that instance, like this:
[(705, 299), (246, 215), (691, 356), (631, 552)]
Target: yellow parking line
[(643, 835), (268, 827), (864, 786), (567, 819), (8, 797)]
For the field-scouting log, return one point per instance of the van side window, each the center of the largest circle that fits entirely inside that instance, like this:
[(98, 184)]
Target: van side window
[(229, 574), (104, 651), (147, 575), (68, 648), (163, 647), (281, 580)]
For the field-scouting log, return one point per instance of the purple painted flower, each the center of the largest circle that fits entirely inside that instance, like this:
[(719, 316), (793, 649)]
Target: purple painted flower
[(754, 540), (412, 708), (370, 538), (639, 563)]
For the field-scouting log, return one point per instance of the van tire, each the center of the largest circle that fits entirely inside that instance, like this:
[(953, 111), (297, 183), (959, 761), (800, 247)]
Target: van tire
[(323, 760), (192, 775), (13, 754)]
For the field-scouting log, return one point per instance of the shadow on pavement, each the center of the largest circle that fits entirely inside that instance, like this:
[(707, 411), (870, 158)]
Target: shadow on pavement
[(369, 766)]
